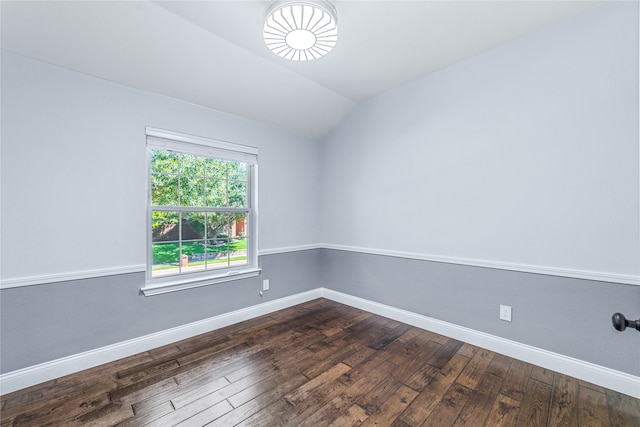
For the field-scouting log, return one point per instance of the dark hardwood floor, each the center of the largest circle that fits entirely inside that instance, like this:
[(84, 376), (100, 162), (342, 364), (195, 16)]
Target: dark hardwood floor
[(318, 364)]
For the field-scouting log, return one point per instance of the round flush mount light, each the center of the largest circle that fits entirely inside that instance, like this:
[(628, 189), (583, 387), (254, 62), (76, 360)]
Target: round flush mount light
[(301, 30)]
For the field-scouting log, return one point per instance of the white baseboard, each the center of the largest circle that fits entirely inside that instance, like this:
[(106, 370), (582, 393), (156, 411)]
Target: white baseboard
[(47, 371), (596, 374), (605, 377)]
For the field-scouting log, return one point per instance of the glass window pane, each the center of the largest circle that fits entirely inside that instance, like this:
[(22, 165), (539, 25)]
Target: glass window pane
[(191, 165), (216, 168), (238, 239), (237, 171), (239, 224), (191, 191), (238, 258), (164, 161), (193, 226), (217, 227), (216, 193), (193, 256), (164, 226), (164, 190), (237, 194), (166, 258), (218, 234), (220, 254)]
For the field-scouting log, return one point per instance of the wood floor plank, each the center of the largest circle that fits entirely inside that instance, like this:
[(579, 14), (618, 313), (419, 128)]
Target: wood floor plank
[(353, 417), (343, 323), (442, 356), (194, 404), (623, 410), (335, 354), (148, 415), (448, 409), (146, 371), (306, 411), (209, 393), (391, 408), (543, 375), (417, 365), (534, 411), (111, 411), (441, 339), (59, 409), (499, 366), (468, 350), (53, 393), (390, 336), (319, 363), (329, 411), (477, 408), (516, 380), (365, 366), (475, 369), (303, 391), (376, 397), (276, 413), (422, 406), (205, 417), (592, 408), (412, 345), (108, 415), (213, 368), (254, 406), (504, 412), (592, 386), (564, 402), (284, 410), (423, 376)]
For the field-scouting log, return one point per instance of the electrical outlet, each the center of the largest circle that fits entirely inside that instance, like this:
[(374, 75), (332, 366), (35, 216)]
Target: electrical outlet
[(505, 313), (265, 285)]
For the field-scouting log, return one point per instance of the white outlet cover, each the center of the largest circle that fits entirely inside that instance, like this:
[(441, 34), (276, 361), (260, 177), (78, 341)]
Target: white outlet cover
[(265, 285), (505, 313)]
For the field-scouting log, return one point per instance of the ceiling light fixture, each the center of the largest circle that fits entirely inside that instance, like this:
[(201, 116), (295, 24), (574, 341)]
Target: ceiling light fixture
[(301, 30)]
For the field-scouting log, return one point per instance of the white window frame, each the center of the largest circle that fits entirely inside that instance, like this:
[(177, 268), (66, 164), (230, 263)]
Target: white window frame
[(159, 139)]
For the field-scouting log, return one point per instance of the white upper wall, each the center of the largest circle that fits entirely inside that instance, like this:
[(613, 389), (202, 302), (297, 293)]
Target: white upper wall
[(526, 154), (73, 171)]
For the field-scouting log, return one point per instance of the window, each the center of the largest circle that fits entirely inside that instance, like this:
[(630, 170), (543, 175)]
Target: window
[(201, 219)]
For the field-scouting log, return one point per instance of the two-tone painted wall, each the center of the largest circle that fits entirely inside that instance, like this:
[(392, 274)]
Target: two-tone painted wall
[(523, 158), (517, 171), (73, 205)]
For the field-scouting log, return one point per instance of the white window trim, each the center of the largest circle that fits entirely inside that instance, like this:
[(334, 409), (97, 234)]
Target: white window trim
[(168, 140)]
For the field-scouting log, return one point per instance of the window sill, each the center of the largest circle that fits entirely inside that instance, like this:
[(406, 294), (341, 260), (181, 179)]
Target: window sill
[(180, 284)]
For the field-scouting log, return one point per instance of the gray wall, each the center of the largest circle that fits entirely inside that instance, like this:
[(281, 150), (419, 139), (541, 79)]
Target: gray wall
[(73, 165), (525, 154), (73, 203), (566, 316), (46, 322)]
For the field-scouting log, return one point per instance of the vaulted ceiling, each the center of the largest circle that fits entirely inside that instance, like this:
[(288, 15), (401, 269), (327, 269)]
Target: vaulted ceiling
[(211, 53)]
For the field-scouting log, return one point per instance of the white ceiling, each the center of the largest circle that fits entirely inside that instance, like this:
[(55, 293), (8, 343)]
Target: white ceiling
[(211, 53)]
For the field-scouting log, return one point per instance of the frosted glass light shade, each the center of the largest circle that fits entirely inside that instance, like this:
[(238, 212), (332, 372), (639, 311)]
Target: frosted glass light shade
[(301, 30)]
